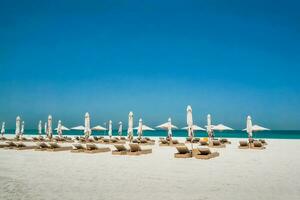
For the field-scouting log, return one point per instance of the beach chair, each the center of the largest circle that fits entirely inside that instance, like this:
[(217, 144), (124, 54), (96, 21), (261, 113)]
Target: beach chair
[(257, 145), (22, 146), (263, 141), (25, 139), (42, 146), (188, 140), (54, 147), (203, 142), (175, 143), (225, 141), (10, 145), (183, 152), (3, 145), (243, 145), (164, 143), (216, 144), (195, 140), (205, 153), (3, 138), (77, 148), (120, 150), (105, 140), (92, 148), (135, 149)]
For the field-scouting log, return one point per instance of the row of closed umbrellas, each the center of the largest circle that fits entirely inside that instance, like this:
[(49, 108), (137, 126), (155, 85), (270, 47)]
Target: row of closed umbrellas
[(141, 127)]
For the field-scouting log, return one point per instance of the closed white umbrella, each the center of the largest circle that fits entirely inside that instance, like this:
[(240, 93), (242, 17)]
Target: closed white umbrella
[(40, 128), (189, 121), (110, 128), (3, 129), (140, 129), (22, 128), (120, 130), (58, 129), (78, 128), (87, 125), (249, 127), (98, 128), (49, 127), (45, 129), (18, 124), (170, 128), (209, 126), (130, 126)]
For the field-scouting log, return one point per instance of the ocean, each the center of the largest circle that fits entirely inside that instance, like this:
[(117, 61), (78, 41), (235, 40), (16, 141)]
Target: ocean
[(273, 134)]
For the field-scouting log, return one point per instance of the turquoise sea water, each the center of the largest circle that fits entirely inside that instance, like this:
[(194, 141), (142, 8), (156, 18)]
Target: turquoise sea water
[(278, 134)]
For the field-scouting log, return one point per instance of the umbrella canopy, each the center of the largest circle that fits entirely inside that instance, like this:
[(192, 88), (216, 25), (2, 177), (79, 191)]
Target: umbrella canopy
[(40, 128), (18, 124), (209, 126), (87, 125), (189, 121), (98, 128), (63, 128), (78, 128), (221, 127), (145, 128), (166, 125), (195, 128), (120, 130), (130, 125), (49, 126), (22, 128), (259, 128), (110, 128), (3, 128)]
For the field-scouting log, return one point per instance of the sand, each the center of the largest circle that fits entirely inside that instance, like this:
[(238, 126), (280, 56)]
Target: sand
[(272, 173)]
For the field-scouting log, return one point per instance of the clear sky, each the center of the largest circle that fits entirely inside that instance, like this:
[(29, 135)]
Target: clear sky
[(226, 58)]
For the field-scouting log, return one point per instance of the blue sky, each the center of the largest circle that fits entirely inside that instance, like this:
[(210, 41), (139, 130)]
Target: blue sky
[(152, 57)]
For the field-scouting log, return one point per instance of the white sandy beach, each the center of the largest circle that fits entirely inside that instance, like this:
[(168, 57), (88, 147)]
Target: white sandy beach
[(272, 173)]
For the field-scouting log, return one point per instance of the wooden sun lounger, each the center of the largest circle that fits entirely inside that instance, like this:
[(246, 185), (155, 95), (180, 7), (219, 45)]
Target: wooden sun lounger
[(216, 144), (164, 143), (243, 145), (175, 143), (203, 142), (92, 148), (120, 150), (54, 147), (257, 145), (3, 138), (183, 152), (263, 141), (22, 146), (42, 146), (3, 145), (205, 153), (77, 148), (10, 145), (225, 141), (135, 149)]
